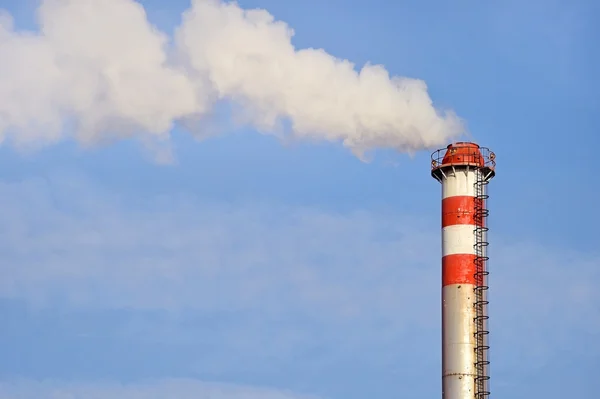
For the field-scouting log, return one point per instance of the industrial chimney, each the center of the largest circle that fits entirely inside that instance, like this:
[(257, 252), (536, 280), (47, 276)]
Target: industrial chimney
[(464, 169)]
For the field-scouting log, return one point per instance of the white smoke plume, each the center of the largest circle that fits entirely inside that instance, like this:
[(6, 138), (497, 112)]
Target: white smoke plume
[(98, 70)]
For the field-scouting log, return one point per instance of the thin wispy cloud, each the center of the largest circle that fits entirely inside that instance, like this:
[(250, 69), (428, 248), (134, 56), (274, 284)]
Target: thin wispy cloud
[(165, 389), (68, 243), (241, 255)]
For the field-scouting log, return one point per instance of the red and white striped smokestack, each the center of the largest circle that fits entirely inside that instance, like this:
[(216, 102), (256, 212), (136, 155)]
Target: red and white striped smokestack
[(464, 169)]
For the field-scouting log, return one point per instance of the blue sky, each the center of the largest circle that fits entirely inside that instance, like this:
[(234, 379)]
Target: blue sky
[(252, 268)]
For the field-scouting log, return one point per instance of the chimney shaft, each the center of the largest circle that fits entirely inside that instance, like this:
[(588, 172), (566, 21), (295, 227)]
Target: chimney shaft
[(464, 170)]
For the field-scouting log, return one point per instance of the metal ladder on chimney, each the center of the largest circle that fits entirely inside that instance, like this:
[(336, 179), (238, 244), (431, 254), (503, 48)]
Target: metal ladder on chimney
[(481, 273)]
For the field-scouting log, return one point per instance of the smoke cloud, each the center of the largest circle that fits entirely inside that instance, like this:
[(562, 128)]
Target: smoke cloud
[(98, 70)]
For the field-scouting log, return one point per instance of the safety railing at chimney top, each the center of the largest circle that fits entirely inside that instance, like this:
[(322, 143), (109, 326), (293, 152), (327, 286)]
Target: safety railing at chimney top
[(482, 157)]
